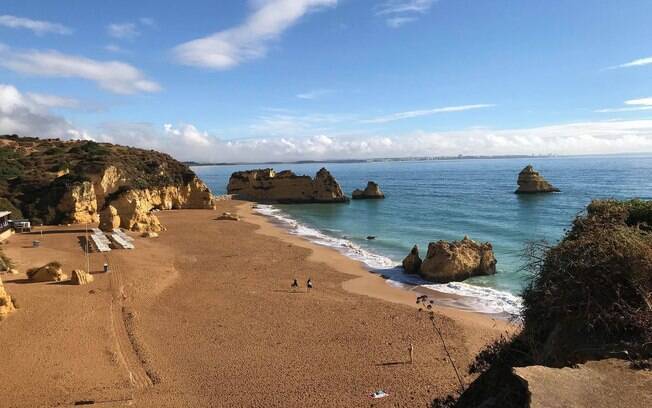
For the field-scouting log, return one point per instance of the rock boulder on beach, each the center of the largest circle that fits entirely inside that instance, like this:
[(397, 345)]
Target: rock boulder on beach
[(372, 191), (530, 181), (457, 260), (80, 277), (51, 272), (6, 303), (227, 216), (412, 262)]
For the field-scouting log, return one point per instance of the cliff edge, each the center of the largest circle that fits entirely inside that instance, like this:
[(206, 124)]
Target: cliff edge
[(51, 181)]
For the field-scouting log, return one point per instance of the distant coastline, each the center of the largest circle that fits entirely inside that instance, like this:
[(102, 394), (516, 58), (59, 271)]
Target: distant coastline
[(411, 159)]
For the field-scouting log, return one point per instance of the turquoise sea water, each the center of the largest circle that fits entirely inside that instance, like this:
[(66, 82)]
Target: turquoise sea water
[(432, 200)]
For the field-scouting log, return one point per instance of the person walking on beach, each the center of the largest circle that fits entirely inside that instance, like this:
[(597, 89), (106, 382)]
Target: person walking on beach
[(295, 284), (309, 284)]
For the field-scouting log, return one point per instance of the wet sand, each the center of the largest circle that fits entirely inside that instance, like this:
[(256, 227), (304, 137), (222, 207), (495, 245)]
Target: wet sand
[(205, 316)]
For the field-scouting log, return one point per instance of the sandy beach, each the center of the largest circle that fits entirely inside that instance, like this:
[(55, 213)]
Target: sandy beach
[(204, 316)]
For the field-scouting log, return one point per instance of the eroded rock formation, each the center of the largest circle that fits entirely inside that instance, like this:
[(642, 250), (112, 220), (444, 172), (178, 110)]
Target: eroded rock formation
[(372, 191), (6, 303), (51, 272), (227, 216), (412, 262), (70, 182), (79, 277), (530, 181), (452, 261), (265, 185)]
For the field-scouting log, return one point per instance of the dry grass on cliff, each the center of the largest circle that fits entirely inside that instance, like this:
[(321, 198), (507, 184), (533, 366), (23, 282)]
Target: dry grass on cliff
[(590, 297), (35, 173)]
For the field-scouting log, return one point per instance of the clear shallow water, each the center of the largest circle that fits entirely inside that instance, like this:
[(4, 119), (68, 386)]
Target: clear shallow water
[(432, 200)]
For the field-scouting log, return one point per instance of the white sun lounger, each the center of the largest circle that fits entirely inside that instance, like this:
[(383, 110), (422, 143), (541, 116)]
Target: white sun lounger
[(101, 243), (123, 235), (121, 241)]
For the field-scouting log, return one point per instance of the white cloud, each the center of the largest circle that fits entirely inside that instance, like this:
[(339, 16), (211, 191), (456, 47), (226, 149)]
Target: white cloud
[(636, 63), (641, 101), (147, 21), (425, 112), (400, 12), (52, 101), (29, 114), (231, 47), (186, 142), (38, 27), (397, 22), (122, 31), (635, 105), (114, 48), (315, 94), (114, 76)]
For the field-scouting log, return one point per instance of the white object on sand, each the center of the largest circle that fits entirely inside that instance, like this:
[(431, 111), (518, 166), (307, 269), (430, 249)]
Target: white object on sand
[(379, 394)]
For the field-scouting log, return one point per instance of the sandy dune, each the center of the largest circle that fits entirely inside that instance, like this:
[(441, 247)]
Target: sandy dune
[(204, 316)]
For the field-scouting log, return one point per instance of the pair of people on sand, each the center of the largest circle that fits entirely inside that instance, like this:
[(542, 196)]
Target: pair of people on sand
[(295, 284)]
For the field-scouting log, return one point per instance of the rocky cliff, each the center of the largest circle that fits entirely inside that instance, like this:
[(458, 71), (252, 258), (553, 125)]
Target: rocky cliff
[(266, 185), (452, 261), (53, 182), (372, 191), (6, 303), (530, 181)]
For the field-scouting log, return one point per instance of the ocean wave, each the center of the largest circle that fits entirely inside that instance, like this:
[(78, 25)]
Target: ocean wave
[(474, 298)]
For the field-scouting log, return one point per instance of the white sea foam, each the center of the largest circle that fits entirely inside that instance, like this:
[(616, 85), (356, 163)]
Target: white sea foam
[(471, 297)]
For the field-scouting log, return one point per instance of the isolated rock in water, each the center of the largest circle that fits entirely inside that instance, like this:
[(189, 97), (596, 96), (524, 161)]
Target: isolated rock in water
[(597, 384), (530, 181), (80, 277), (227, 216), (51, 272), (109, 219), (6, 303), (412, 262), (149, 234), (371, 192), (266, 185), (457, 260)]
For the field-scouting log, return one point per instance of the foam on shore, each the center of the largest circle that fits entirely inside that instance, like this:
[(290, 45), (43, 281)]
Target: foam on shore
[(467, 297)]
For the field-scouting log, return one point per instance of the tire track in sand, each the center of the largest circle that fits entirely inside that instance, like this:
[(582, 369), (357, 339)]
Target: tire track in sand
[(127, 350)]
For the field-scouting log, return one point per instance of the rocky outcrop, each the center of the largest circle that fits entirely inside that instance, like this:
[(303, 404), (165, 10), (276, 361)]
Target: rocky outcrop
[(596, 384), (79, 277), (412, 262), (134, 209), (69, 182), (6, 303), (51, 272), (265, 185), (372, 191), (80, 203), (530, 181), (227, 216), (149, 234), (457, 260)]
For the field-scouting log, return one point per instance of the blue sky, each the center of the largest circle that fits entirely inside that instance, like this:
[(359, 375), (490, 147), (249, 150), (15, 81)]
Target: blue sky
[(315, 79)]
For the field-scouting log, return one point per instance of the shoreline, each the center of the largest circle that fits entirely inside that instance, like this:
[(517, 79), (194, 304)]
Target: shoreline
[(366, 282), (204, 315), (449, 299)]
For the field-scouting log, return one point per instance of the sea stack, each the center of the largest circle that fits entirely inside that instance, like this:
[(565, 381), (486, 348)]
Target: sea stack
[(452, 261), (371, 192), (285, 187), (530, 182)]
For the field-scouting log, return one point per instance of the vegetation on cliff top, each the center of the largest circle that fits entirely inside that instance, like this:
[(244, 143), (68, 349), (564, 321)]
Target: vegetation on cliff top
[(35, 173), (590, 297)]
